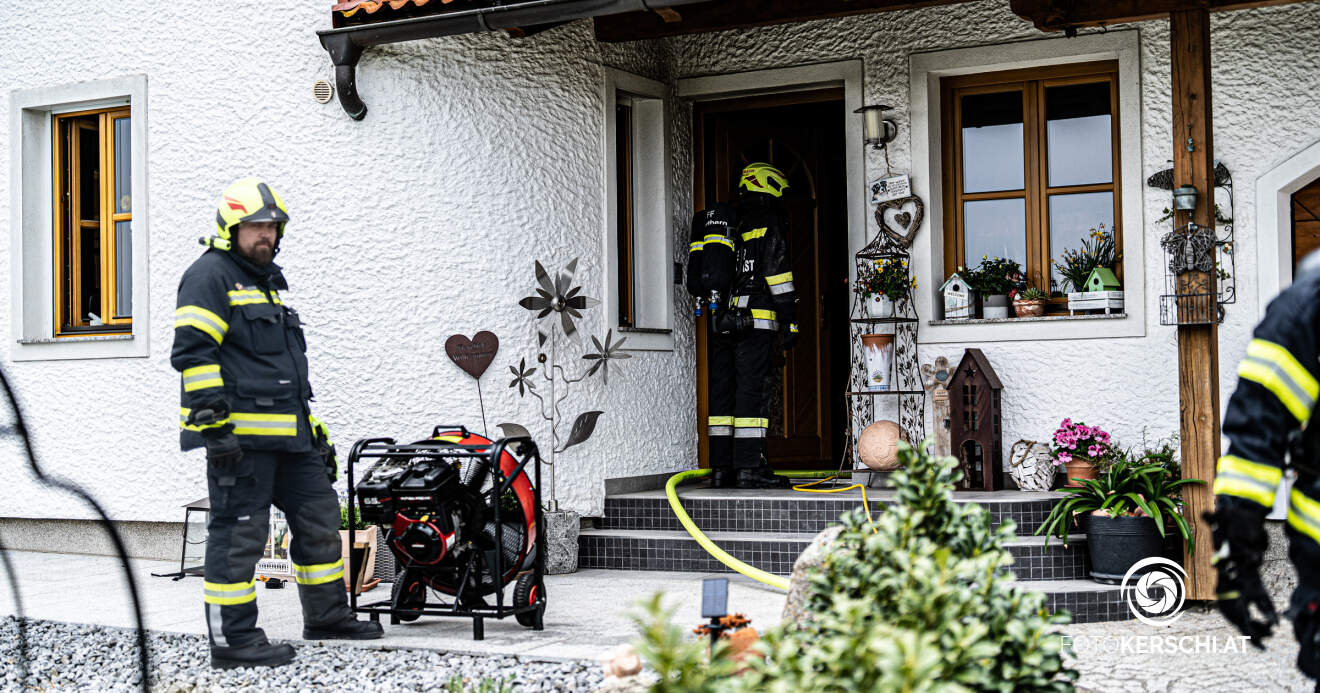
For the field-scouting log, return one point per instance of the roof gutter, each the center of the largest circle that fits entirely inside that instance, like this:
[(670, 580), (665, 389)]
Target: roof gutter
[(345, 44)]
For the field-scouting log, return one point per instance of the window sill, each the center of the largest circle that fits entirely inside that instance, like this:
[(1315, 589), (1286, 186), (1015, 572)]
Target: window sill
[(83, 338), (1043, 318), (643, 330)]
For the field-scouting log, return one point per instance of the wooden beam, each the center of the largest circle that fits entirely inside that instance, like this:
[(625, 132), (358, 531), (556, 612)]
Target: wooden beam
[(1198, 345), (741, 14), (1063, 15)]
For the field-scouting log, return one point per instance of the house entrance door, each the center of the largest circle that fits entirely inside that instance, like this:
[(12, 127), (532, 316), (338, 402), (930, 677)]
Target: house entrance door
[(1306, 222), (801, 134)]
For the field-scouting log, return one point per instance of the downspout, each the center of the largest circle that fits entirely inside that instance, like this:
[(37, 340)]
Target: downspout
[(345, 44)]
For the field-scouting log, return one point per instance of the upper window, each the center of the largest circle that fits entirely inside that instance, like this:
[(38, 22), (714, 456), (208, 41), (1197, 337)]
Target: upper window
[(623, 222), (1030, 165), (93, 248)]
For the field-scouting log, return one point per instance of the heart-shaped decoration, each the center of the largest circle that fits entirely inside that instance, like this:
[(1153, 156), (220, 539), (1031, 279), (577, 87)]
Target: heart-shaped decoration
[(473, 355), (900, 219)]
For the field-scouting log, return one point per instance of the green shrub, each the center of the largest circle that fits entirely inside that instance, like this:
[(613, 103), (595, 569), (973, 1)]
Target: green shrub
[(921, 600)]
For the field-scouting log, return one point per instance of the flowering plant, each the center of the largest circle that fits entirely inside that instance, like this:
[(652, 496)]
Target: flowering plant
[(1098, 250), (996, 275), (888, 276), (1077, 440)]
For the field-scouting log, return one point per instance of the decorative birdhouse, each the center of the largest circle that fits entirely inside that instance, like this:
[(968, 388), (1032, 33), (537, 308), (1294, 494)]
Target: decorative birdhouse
[(958, 298), (975, 422), (1102, 279)]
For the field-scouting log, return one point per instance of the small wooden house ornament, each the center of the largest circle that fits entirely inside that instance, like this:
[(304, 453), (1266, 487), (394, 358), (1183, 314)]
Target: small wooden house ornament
[(958, 298), (975, 422), (1102, 279)]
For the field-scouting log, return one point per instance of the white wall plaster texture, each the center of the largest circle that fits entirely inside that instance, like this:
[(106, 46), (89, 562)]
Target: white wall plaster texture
[(482, 153), (1265, 101)]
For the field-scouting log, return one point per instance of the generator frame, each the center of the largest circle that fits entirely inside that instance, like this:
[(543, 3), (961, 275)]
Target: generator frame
[(524, 451)]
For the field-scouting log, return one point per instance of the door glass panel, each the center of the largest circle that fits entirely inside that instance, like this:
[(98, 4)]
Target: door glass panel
[(123, 167), (992, 151), (995, 228), (1077, 125), (1072, 219), (123, 269)]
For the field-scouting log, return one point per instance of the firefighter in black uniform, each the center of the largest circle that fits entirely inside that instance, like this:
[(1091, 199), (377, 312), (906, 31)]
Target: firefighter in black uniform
[(742, 255), (245, 392), (1268, 417)]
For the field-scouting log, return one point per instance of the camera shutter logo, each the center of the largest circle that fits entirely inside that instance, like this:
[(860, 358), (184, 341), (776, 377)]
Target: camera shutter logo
[(1155, 589)]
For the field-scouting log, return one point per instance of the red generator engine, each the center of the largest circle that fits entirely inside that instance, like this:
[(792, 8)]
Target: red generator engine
[(461, 514)]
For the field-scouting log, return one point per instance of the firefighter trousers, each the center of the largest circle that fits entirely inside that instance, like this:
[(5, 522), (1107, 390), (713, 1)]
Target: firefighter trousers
[(296, 483), (738, 367)]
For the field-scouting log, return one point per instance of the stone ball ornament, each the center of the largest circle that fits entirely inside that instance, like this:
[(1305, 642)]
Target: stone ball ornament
[(878, 445)]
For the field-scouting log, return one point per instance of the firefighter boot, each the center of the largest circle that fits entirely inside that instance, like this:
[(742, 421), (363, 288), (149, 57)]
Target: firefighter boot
[(347, 629), (258, 654), (723, 477), (760, 477)]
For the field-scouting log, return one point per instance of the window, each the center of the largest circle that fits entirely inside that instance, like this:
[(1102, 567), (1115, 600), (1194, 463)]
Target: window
[(93, 248), (638, 243), (78, 221), (1030, 165)]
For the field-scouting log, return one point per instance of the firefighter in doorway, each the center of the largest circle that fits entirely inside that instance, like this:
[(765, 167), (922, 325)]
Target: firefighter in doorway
[(241, 352), (1268, 417), (739, 269)]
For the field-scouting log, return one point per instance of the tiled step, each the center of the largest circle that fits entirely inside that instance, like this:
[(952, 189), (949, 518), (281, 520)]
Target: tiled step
[(786, 510), (775, 552), (1088, 601)]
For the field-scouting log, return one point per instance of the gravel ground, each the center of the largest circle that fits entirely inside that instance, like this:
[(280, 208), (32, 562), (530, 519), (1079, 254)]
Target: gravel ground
[(77, 657)]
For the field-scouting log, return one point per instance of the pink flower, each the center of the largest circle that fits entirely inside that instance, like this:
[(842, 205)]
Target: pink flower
[(1072, 446), (1093, 451), (1064, 458)]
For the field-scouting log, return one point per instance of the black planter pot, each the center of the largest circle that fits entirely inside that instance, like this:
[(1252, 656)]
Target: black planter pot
[(1117, 543)]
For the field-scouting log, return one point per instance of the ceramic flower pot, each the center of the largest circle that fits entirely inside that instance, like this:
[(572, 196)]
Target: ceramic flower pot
[(1117, 543), (1081, 467), (995, 306), (879, 350), (1029, 309), (879, 306)]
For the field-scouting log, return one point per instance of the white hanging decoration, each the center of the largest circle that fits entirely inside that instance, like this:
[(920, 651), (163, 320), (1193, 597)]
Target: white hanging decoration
[(1030, 466)]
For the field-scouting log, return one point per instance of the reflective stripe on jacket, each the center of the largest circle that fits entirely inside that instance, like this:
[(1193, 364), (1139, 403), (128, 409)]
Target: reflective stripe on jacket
[(236, 343), (763, 279)]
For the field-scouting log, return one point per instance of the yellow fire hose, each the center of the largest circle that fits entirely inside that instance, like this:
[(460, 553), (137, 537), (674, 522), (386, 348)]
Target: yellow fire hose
[(671, 490)]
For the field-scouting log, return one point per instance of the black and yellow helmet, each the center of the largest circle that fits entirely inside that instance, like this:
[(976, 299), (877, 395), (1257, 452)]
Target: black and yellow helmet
[(763, 178), (248, 199)]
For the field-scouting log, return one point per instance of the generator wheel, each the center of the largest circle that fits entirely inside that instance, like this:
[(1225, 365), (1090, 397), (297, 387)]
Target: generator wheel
[(525, 592), (410, 596)]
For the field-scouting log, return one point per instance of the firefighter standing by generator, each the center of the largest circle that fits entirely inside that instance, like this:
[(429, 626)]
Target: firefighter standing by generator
[(240, 350), (1269, 417), (739, 270)]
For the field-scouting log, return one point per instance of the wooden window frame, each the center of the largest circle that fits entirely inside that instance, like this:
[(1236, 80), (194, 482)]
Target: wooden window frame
[(107, 218), (1036, 190)]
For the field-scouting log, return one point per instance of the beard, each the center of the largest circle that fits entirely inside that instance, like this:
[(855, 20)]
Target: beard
[(260, 254)]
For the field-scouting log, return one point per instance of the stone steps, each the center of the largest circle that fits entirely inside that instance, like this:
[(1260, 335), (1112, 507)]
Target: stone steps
[(770, 528)]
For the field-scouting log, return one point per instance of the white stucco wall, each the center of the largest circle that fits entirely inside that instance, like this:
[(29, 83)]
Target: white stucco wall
[(481, 153)]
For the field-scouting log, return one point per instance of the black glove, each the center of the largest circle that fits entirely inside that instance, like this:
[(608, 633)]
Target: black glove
[(790, 336), (325, 448), (223, 454), (1237, 527)]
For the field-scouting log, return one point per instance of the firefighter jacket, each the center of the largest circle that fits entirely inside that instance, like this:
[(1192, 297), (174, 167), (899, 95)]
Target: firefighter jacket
[(763, 279), (711, 249), (237, 344), (1278, 383)]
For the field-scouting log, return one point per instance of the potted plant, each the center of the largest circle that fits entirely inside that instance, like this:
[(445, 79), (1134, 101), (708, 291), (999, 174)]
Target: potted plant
[(1128, 510), (1030, 303), (1078, 269), (363, 535), (993, 280), (883, 282), (1079, 449)]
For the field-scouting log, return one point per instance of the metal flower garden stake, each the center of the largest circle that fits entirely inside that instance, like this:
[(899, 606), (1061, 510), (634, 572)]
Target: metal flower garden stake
[(562, 302)]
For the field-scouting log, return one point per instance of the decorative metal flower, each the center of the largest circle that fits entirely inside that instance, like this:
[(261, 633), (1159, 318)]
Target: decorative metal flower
[(558, 296), (606, 353), (522, 377)]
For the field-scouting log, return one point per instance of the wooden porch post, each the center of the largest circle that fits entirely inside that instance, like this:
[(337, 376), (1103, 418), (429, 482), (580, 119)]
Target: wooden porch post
[(1198, 345)]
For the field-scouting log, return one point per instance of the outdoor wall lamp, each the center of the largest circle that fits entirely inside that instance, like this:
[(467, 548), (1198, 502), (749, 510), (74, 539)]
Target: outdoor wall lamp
[(1184, 198), (879, 130)]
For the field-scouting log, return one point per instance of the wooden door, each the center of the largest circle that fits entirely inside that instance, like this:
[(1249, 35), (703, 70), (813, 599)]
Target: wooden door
[(802, 135), (1306, 222)]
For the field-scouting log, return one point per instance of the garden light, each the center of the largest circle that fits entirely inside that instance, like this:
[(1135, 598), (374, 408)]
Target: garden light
[(1184, 198), (878, 130)]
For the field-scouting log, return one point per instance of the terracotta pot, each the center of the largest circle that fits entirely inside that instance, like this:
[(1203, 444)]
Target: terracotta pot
[(1029, 309), (365, 538), (879, 352), (1079, 468)]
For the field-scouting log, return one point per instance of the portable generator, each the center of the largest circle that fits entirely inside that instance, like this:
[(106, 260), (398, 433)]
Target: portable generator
[(462, 516)]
